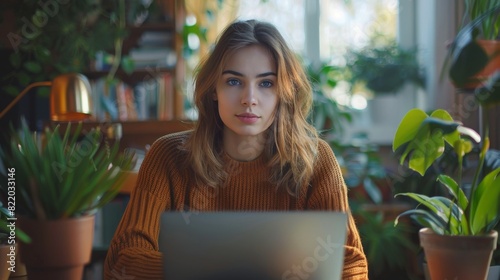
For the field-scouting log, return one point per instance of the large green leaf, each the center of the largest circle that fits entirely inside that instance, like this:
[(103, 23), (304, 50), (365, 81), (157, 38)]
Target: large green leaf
[(450, 216), (425, 148), (455, 190), (486, 203), (424, 137), (448, 126), (434, 205), (408, 127), (424, 218)]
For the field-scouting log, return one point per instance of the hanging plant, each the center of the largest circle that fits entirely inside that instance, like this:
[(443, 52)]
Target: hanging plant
[(385, 69)]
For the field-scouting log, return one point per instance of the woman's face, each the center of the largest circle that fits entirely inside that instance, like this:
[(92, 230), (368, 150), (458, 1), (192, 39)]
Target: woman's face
[(246, 92)]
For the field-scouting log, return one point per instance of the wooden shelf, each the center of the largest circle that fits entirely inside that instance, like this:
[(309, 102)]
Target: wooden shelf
[(136, 134), (139, 75), (135, 33)]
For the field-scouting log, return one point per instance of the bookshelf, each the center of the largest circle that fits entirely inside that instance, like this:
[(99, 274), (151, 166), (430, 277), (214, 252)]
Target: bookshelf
[(157, 80), (152, 92)]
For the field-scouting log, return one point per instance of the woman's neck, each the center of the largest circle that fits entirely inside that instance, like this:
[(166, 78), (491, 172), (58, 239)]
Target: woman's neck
[(243, 148)]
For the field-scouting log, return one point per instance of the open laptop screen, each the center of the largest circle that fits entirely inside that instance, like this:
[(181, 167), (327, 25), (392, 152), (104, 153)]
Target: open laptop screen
[(253, 245)]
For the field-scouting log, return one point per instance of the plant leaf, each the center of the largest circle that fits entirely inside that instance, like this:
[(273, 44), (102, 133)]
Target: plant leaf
[(424, 218), (408, 127), (486, 202), (455, 190)]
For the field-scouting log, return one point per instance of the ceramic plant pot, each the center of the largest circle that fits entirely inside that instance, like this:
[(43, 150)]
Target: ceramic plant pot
[(59, 249), (457, 257), (4, 262), (492, 49)]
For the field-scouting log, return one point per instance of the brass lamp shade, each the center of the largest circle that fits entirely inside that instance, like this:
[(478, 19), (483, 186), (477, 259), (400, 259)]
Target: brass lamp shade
[(70, 98)]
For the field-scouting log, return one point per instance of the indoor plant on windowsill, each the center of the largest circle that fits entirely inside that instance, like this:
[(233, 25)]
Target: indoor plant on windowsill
[(384, 69), (474, 54), (60, 181), (458, 219)]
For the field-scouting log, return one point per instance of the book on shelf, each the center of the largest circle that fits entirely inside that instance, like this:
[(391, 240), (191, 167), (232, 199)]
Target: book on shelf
[(151, 99), (155, 39), (152, 57)]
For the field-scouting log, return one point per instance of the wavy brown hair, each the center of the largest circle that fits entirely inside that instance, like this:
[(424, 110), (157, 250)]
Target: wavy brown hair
[(291, 144)]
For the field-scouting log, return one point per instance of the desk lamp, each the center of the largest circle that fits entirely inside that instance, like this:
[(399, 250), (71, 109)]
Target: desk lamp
[(69, 97)]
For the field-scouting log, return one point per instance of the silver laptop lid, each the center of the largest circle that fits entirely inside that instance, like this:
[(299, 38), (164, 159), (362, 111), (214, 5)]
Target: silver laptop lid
[(253, 245)]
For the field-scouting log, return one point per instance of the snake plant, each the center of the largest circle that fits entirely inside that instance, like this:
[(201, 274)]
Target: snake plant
[(62, 175)]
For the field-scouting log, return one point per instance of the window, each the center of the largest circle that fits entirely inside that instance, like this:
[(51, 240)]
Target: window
[(324, 30), (289, 20)]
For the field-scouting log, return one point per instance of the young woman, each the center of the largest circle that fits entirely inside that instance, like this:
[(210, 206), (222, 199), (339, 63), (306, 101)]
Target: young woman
[(251, 149)]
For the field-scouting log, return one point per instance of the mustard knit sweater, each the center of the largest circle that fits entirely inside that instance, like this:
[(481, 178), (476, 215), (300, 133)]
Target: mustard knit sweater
[(162, 185)]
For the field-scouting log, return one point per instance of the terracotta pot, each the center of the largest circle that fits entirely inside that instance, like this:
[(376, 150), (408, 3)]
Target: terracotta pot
[(20, 272), (4, 265), (59, 249), (492, 49), (457, 257)]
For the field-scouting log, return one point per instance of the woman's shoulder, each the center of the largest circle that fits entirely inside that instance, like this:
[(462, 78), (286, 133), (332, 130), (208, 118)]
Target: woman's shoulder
[(169, 147), (324, 148), (169, 141), (325, 154)]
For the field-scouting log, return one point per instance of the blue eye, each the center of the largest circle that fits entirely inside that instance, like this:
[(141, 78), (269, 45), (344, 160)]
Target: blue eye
[(266, 84), (233, 82)]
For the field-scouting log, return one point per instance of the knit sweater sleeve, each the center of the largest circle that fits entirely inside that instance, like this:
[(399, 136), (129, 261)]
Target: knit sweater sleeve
[(134, 251), (329, 192)]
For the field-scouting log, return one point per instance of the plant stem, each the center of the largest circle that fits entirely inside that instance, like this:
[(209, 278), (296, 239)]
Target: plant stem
[(484, 146), (118, 41)]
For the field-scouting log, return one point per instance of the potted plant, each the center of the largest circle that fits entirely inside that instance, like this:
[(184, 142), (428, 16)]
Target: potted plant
[(63, 37), (385, 69), (60, 182), (462, 223), (389, 250), (327, 116), (474, 54), (9, 236)]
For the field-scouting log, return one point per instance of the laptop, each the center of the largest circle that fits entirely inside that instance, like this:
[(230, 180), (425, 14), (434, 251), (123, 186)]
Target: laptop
[(253, 245)]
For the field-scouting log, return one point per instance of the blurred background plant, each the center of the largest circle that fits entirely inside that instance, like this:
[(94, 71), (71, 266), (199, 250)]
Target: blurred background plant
[(328, 116), (58, 38), (390, 250), (384, 68), (361, 165)]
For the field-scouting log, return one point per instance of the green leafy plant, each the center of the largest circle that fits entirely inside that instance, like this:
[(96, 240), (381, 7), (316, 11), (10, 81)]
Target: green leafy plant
[(64, 176), (363, 171), (360, 164), (385, 245), (490, 24), (59, 37), (385, 69), (327, 115), (421, 139), (465, 56)]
